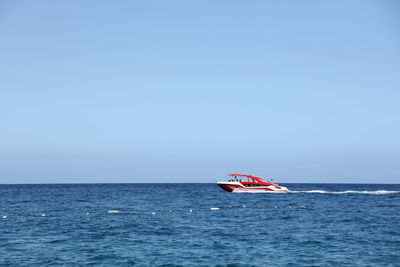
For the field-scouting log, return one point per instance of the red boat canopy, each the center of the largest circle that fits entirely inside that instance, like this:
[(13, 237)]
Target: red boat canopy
[(245, 175), (248, 176), (256, 179)]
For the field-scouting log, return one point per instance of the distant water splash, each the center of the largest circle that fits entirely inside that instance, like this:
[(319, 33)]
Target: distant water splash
[(376, 192)]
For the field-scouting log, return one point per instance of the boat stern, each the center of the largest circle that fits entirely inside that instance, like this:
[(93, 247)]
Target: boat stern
[(281, 189)]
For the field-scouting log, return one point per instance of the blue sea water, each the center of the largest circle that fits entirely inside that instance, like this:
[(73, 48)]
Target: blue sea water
[(341, 225)]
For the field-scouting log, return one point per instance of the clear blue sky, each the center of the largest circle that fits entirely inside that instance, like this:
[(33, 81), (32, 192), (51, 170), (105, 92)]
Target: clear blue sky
[(188, 91)]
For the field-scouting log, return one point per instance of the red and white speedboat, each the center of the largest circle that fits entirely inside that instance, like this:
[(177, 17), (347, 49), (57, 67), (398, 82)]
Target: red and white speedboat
[(249, 183)]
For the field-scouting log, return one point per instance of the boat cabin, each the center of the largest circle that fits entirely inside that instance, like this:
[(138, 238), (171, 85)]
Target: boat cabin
[(248, 180)]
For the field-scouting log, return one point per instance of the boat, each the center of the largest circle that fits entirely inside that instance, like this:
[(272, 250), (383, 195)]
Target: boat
[(249, 183)]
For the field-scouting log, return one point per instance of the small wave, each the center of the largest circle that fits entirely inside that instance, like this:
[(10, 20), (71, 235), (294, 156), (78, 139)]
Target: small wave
[(377, 192)]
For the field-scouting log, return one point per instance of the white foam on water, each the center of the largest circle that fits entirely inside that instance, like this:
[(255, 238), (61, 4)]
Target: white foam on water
[(377, 192)]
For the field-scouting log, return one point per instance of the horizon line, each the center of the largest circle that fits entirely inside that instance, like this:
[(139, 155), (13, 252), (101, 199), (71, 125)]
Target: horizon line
[(72, 183)]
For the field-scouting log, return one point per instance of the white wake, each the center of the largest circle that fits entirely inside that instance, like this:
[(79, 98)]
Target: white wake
[(376, 192)]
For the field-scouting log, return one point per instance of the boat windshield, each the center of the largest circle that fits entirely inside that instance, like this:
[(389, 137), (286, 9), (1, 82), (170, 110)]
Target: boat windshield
[(243, 179)]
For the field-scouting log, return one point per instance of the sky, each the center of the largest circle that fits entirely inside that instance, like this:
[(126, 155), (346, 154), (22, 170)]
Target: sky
[(189, 91)]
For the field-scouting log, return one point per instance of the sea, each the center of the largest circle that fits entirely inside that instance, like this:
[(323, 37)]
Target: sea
[(199, 225)]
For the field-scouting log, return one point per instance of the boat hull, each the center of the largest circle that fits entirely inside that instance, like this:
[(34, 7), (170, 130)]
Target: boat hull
[(238, 187)]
